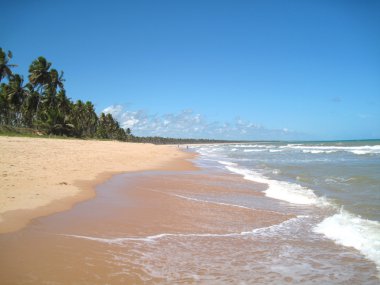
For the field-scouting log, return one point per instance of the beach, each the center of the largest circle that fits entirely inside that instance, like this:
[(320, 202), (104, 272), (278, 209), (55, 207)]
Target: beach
[(41, 176), (210, 218), (142, 227)]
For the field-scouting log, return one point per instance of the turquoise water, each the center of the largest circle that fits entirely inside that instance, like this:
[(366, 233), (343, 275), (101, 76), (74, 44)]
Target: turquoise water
[(340, 179)]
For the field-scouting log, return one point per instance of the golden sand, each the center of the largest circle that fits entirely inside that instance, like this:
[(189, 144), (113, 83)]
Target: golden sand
[(42, 176)]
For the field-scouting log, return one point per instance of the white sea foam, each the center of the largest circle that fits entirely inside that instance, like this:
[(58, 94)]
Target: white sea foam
[(227, 163), (252, 146), (281, 190), (212, 202), (255, 232), (353, 231), (335, 179), (151, 238), (254, 150), (317, 149), (275, 150), (312, 149), (275, 229), (361, 152)]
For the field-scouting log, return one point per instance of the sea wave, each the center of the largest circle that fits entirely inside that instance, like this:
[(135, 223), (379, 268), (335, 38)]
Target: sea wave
[(317, 149), (275, 150), (254, 150), (350, 230), (311, 149), (228, 163), (252, 146), (282, 190)]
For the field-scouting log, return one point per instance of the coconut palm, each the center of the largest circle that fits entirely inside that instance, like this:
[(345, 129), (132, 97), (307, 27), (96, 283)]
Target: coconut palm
[(56, 80), (91, 119), (101, 131), (30, 104), (5, 67), (15, 95), (63, 103), (39, 74), (42, 103), (62, 124), (77, 117), (4, 108)]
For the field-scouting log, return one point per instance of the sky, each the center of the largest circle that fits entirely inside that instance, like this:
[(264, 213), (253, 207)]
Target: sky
[(252, 70)]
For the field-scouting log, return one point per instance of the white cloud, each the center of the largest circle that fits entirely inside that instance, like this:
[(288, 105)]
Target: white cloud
[(188, 124), (114, 110)]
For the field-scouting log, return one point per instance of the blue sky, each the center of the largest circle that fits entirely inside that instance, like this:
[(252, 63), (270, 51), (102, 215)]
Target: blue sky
[(216, 69)]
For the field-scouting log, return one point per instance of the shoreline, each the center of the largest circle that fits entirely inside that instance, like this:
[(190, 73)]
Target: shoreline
[(138, 221), (41, 177), (165, 226)]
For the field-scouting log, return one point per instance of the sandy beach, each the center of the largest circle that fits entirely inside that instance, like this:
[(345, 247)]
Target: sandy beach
[(130, 217), (42, 176)]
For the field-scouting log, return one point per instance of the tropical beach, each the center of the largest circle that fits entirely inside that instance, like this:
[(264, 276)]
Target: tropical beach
[(190, 142), (183, 218)]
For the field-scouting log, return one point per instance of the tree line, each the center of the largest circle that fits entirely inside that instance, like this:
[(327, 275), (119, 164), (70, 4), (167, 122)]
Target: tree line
[(166, 140), (42, 104)]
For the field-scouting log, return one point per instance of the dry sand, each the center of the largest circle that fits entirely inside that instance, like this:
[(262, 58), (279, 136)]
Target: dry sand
[(42, 176)]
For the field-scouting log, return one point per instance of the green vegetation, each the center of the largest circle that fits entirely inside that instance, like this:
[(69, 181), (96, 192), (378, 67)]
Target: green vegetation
[(40, 107)]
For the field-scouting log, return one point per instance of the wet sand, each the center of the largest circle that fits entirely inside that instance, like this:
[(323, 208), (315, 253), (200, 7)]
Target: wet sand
[(58, 248), (161, 227)]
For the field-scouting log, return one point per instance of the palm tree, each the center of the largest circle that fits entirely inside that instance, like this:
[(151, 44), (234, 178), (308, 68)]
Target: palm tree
[(76, 117), (91, 119), (39, 74), (42, 103), (29, 107), (46, 82), (56, 80), (111, 126), (62, 124), (49, 93), (15, 94), (4, 108), (101, 131), (63, 103), (5, 67)]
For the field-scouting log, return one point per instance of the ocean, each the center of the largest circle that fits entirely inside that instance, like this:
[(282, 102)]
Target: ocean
[(334, 187)]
